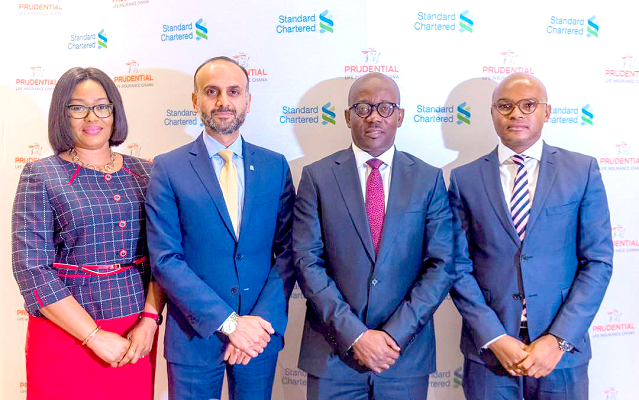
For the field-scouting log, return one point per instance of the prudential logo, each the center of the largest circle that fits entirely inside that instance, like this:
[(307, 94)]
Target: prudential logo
[(593, 27), (587, 115), (465, 23), (326, 22), (200, 30), (463, 114), (102, 40), (328, 114)]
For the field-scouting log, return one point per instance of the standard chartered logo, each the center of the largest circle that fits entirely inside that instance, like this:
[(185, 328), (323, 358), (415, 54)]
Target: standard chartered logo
[(586, 115), (458, 377), (328, 114), (465, 23), (102, 40), (200, 30), (463, 114), (326, 23), (593, 27)]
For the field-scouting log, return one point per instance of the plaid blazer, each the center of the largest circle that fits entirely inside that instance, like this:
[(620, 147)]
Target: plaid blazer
[(65, 216)]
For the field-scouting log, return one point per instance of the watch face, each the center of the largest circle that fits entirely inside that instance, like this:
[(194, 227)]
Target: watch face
[(229, 326)]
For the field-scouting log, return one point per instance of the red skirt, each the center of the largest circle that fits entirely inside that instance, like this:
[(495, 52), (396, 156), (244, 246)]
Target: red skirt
[(60, 368)]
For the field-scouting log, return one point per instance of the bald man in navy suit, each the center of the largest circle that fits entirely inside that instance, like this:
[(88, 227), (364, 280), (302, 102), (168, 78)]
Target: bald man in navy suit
[(534, 256)]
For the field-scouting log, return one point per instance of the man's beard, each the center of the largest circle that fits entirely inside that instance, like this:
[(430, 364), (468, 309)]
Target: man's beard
[(223, 128)]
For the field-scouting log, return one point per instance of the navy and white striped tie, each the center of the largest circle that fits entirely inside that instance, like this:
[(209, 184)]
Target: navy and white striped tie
[(520, 199)]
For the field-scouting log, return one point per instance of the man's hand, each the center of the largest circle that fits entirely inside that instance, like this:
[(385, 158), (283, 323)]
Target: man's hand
[(544, 354), (510, 352), (376, 350), (233, 355), (109, 346), (251, 335)]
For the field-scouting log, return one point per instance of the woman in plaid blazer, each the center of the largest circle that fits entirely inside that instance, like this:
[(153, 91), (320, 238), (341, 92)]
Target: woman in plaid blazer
[(79, 252)]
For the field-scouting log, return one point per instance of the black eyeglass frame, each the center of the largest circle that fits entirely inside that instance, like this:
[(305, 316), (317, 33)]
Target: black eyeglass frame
[(89, 109), (376, 107)]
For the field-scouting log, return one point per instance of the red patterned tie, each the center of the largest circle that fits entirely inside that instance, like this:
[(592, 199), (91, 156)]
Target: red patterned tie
[(375, 201)]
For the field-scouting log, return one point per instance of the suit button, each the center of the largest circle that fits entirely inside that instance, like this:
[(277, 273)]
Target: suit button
[(234, 290), (374, 282), (239, 256), (517, 296)]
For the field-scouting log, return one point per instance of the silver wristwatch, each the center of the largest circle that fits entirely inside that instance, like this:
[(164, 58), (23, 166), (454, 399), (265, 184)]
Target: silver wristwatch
[(564, 345), (230, 324)]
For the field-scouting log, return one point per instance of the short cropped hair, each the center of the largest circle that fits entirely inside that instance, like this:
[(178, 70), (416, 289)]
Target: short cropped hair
[(220, 58), (60, 136)]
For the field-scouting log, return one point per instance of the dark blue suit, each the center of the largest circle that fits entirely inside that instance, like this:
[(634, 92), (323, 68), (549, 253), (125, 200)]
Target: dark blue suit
[(563, 266), (348, 288), (204, 269)]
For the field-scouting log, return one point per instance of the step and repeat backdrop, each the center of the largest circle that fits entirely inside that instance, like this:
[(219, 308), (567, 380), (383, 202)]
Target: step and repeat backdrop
[(302, 56)]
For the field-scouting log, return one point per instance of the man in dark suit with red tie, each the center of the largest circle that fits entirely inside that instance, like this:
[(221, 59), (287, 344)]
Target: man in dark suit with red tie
[(372, 243)]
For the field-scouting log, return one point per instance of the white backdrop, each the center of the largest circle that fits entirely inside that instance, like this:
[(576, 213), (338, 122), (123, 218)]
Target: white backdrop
[(302, 57)]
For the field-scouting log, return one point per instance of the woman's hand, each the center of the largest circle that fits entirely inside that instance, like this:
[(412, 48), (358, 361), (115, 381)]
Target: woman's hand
[(141, 339), (109, 346)]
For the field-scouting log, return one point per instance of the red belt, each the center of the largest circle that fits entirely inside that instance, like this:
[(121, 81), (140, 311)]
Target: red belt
[(101, 270)]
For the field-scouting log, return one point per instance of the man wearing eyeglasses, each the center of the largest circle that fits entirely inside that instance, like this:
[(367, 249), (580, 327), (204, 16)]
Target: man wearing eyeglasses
[(534, 256), (373, 248)]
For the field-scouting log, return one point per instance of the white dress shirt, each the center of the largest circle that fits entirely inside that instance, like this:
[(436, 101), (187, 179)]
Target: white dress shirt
[(363, 169)]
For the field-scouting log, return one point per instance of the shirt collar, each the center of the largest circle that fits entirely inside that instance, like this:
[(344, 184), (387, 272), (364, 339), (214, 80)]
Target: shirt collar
[(361, 156), (213, 146), (504, 153)]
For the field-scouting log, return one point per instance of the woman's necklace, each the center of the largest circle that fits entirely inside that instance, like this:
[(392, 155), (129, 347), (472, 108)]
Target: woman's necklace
[(106, 168)]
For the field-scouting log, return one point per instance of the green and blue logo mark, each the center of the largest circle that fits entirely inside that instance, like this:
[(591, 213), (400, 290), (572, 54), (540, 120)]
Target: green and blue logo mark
[(458, 377), (593, 27), (326, 22), (102, 40), (328, 114), (465, 23), (586, 115), (463, 114), (200, 30)]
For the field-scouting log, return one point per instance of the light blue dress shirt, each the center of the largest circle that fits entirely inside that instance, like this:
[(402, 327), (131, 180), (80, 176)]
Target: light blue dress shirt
[(213, 147)]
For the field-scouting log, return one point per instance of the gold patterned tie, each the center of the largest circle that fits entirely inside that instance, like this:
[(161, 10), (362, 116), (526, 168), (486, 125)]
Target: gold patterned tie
[(228, 184)]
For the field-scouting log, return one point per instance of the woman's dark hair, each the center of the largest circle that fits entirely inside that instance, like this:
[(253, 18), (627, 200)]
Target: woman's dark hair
[(60, 135)]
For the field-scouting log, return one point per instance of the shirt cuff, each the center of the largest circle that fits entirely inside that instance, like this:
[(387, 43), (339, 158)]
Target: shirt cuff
[(484, 347), (227, 318), (356, 339)]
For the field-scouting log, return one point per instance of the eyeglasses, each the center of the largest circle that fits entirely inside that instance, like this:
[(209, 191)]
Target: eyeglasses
[(384, 109), (100, 110), (526, 106)]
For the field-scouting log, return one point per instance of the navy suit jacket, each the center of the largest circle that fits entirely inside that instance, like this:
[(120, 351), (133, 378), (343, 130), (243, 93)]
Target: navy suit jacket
[(349, 289), (563, 266), (204, 269)]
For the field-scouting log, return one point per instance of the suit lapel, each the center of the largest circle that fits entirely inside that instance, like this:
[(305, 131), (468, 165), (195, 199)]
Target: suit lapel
[(345, 171), (251, 182), (201, 163), (492, 184), (547, 172), (400, 192)]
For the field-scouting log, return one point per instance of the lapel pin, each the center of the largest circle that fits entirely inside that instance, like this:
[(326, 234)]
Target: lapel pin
[(251, 168)]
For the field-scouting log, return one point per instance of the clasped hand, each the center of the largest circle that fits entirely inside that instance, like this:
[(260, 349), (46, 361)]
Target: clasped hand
[(536, 360), (117, 351), (376, 350), (251, 336)]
